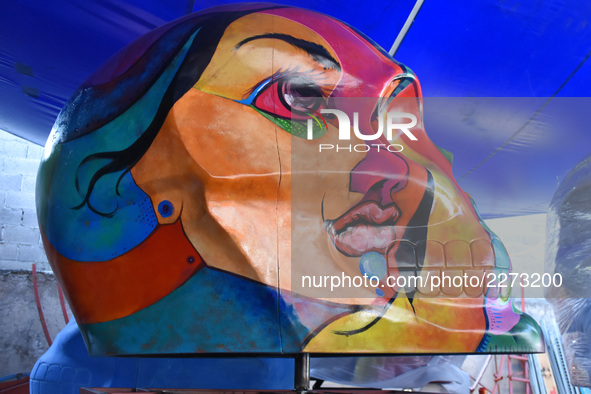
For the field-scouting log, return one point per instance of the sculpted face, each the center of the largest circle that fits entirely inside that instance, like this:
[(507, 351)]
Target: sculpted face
[(226, 196), (243, 164)]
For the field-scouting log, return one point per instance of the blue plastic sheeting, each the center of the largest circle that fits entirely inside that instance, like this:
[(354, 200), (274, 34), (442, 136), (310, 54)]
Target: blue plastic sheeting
[(510, 154), (47, 49), (507, 48), (66, 367), (515, 169), (487, 48), (380, 20)]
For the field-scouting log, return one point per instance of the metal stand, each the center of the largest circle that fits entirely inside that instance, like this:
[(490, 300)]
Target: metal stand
[(302, 373), (301, 385)]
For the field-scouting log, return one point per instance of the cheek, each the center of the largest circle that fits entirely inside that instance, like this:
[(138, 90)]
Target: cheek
[(217, 163), (320, 178), (169, 176), (226, 139)]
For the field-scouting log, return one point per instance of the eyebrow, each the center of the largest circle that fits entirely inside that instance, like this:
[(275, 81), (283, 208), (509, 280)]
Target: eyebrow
[(316, 51)]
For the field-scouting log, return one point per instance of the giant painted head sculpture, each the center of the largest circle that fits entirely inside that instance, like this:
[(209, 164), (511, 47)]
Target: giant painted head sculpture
[(189, 204)]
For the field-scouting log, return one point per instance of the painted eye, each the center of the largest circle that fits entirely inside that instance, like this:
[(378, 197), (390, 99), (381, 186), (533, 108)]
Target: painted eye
[(295, 97)]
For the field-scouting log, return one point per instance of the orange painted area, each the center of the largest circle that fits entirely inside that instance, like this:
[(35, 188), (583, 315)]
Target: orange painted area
[(107, 290), (221, 180)]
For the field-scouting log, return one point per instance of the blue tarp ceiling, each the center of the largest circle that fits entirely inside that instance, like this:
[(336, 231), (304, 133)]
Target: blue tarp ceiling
[(506, 81)]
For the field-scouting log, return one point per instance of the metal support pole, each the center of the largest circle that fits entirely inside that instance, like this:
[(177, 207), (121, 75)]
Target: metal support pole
[(481, 373), (302, 373)]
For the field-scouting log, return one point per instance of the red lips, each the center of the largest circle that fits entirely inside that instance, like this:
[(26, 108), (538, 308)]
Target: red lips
[(364, 228)]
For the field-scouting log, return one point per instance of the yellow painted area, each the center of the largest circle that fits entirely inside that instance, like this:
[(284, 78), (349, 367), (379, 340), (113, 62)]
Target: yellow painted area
[(435, 325)]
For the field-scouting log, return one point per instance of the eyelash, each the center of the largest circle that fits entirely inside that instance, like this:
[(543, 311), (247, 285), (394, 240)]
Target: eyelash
[(289, 94)]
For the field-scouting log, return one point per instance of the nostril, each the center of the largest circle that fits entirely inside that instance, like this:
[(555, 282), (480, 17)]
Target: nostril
[(396, 187), (376, 193), (390, 188), (379, 175)]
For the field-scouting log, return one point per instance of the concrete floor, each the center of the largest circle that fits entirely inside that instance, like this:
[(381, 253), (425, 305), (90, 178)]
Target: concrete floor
[(22, 339)]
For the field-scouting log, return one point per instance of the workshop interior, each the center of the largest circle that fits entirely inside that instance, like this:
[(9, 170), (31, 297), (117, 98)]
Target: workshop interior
[(219, 196)]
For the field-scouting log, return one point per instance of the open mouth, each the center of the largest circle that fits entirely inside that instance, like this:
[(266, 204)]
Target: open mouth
[(367, 227)]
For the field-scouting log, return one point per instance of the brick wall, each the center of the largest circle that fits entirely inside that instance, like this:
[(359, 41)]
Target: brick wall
[(20, 239)]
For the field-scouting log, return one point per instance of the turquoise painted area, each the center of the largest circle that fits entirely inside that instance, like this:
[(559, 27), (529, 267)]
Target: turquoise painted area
[(373, 264), (502, 261), (81, 234), (100, 101), (212, 312), (447, 154)]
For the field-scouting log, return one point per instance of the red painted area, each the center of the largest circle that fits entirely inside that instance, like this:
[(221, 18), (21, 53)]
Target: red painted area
[(103, 291), (17, 386)]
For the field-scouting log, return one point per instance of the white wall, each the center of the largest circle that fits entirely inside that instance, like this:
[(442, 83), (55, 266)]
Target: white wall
[(20, 239)]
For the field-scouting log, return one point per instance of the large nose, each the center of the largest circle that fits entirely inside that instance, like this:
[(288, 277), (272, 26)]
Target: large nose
[(379, 175), (383, 171)]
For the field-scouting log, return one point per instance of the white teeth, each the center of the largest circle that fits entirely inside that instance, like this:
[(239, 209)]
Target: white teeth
[(362, 238), (454, 257)]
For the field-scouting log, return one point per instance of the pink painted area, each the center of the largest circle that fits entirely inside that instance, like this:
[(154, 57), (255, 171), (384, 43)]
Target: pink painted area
[(364, 78), (380, 166), (368, 73), (501, 316)]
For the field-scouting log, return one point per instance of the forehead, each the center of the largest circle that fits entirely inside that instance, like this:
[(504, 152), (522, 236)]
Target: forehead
[(261, 23), (257, 45), (366, 65)]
